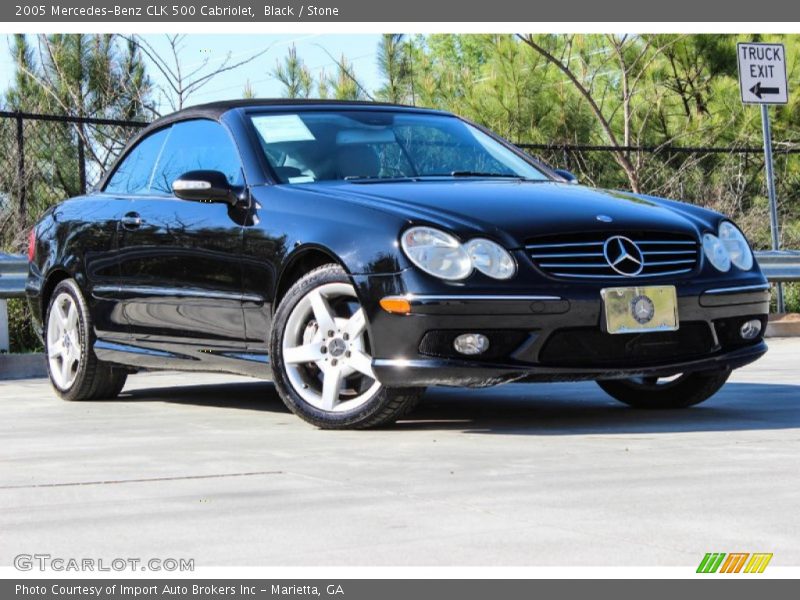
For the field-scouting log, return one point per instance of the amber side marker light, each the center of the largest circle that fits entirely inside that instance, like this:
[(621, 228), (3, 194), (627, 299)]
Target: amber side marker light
[(396, 305)]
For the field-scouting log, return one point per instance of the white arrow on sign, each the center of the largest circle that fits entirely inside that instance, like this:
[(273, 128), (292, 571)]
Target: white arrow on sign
[(762, 73)]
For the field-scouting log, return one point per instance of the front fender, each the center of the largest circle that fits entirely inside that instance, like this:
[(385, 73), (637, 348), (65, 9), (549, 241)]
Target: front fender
[(363, 240)]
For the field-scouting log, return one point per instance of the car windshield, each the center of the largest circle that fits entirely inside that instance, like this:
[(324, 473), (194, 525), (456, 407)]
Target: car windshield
[(363, 146)]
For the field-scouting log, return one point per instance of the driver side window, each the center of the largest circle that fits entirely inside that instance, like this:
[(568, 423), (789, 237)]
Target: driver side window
[(132, 176), (196, 145)]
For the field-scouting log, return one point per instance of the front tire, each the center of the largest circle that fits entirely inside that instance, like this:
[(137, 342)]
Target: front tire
[(682, 391), (321, 357), (75, 372)]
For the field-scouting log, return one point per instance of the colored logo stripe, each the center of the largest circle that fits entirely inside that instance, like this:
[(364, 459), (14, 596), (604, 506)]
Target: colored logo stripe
[(711, 562), (758, 562), (734, 562), (717, 561)]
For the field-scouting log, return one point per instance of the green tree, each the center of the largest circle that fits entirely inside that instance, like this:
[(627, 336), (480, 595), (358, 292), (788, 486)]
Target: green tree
[(248, 91), (344, 85), (395, 66), (86, 76), (294, 75)]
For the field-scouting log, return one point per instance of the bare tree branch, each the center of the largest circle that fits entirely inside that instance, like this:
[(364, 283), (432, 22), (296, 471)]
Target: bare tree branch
[(179, 83), (619, 155)]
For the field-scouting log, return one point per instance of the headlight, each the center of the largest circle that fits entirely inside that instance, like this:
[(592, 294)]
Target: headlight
[(716, 252), (736, 245), (436, 252), (440, 254), (490, 259)]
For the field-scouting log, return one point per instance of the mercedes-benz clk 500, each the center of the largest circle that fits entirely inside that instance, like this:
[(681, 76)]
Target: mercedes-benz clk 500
[(358, 253)]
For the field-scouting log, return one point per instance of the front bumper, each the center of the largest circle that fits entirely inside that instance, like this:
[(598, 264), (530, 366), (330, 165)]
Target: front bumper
[(556, 335), (435, 371)]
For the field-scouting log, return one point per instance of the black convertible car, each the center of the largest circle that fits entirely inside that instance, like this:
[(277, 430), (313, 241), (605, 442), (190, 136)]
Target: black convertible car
[(356, 253)]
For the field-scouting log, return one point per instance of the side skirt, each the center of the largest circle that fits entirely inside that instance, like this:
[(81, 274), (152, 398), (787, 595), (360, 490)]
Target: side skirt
[(184, 358)]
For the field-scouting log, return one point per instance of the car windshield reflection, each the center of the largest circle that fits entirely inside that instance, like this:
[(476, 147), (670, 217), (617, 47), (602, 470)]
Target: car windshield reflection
[(386, 146)]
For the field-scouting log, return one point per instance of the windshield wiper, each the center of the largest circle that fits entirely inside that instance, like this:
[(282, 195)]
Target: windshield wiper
[(402, 178), (484, 174), (377, 178)]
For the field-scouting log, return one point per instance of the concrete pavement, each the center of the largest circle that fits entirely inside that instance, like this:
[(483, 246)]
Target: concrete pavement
[(214, 468)]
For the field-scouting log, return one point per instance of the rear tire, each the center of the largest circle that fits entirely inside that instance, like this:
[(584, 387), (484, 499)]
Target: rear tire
[(75, 372), (683, 391), (321, 357)]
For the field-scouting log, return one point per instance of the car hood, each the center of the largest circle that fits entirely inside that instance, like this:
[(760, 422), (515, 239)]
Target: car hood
[(517, 210)]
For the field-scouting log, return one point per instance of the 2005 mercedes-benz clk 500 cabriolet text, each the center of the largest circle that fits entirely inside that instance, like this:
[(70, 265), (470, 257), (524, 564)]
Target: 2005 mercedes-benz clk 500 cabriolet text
[(357, 253)]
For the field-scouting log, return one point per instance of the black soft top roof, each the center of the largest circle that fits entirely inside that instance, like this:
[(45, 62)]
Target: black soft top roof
[(215, 109)]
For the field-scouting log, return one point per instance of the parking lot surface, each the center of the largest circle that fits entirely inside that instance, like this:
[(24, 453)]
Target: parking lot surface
[(214, 468)]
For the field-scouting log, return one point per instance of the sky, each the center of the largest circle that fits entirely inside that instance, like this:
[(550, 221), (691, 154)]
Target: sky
[(315, 49)]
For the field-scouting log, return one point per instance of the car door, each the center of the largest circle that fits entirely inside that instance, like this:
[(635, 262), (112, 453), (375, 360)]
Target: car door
[(105, 211), (180, 275)]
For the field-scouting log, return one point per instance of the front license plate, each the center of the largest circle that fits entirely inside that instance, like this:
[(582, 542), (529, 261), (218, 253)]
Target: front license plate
[(640, 309)]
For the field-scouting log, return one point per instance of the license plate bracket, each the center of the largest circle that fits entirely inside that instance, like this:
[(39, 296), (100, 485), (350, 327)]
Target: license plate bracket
[(640, 309)]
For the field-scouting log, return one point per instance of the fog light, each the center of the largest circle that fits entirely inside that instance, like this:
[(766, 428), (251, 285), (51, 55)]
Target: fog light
[(750, 329), (471, 343)]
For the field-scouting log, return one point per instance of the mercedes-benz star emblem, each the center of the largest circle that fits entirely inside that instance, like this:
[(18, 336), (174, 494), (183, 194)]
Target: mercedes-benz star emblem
[(623, 255), (642, 309), (337, 347)]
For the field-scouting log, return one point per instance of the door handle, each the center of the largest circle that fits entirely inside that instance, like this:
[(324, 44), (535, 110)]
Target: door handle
[(131, 220)]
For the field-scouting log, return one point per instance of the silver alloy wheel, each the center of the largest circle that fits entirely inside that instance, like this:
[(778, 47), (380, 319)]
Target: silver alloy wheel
[(63, 341), (326, 352)]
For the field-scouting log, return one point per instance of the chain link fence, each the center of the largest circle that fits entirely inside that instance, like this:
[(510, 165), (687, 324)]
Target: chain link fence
[(47, 158)]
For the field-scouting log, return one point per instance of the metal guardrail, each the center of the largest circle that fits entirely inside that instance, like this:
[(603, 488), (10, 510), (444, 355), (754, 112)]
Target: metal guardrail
[(13, 273), (780, 265), (777, 265)]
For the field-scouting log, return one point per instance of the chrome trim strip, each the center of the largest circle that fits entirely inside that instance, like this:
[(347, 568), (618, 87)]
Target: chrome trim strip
[(659, 252), (253, 298), (479, 297), (623, 277), (565, 245), (741, 288), (658, 263), (569, 255), (106, 289), (602, 265), (155, 290), (665, 242)]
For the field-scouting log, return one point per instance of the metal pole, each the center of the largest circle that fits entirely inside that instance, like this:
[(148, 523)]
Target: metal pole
[(81, 164), (773, 203), (21, 184)]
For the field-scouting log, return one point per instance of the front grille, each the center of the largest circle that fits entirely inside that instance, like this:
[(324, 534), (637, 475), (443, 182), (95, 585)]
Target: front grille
[(582, 256), (590, 347)]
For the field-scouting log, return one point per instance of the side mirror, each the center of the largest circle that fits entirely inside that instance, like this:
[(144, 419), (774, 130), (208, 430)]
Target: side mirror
[(567, 176), (205, 186)]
